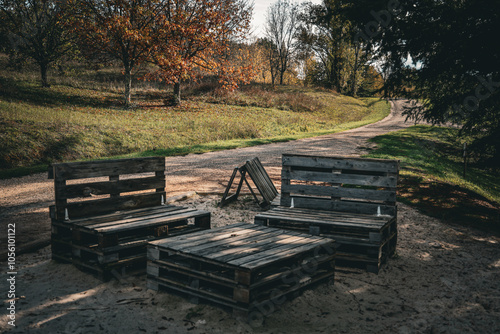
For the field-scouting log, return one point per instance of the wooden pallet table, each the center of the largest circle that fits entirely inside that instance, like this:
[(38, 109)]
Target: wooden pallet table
[(246, 267)]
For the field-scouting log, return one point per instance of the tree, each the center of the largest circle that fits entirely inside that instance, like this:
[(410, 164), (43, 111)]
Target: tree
[(328, 35), (35, 30), (281, 28), (447, 51), (195, 36), (116, 30)]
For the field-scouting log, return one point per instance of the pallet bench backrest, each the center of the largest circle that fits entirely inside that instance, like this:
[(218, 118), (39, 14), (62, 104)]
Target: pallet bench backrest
[(354, 185), (123, 188)]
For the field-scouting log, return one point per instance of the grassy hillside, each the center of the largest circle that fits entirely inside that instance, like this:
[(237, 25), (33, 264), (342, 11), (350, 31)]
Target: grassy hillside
[(431, 177), (76, 119)]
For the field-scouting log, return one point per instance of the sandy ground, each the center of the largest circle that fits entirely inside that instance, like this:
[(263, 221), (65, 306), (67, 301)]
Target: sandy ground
[(444, 279)]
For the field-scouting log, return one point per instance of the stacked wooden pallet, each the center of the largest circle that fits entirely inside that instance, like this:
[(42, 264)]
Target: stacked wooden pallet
[(108, 244), (365, 240), (351, 200), (245, 267), (108, 234)]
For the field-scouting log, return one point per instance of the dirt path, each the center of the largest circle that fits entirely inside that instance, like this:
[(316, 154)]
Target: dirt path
[(444, 279)]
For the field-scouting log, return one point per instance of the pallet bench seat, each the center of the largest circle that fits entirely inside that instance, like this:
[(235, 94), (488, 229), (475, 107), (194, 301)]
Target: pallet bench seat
[(103, 226), (351, 200), (242, 266)]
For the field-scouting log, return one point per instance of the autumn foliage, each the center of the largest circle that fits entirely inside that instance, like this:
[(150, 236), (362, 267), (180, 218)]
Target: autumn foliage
[(183, 38)]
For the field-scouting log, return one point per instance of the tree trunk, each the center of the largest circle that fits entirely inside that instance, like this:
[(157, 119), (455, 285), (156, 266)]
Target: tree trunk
[(43, 72), (128, 85), (177, 94), (354, 85)]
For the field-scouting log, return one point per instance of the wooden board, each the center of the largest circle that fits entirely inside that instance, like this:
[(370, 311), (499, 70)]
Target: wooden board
[(341, 163), (240, 265), (90, 169)]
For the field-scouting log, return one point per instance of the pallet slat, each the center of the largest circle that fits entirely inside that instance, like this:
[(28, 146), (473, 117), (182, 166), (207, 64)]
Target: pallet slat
[(90, 169), (350, 193), (107, 187), (363, 164), (340, 178)]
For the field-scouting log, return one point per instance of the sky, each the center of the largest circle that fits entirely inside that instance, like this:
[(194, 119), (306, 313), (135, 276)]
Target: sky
[(259, 14)]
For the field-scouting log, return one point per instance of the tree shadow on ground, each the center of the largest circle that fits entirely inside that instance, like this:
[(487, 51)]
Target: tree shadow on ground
[(450, 203), (19, 91)]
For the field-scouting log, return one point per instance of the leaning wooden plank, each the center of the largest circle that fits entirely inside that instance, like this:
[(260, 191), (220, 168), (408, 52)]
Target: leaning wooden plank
[(259, 181), (267, 179)]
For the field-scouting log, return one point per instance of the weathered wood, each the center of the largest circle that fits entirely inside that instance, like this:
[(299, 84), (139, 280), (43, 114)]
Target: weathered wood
[(111, 233), (350, 179), (341, 192), (260, 178), (341, 163), (108, 205), (90, 169), (109, 187), (268, 268), (341, 206), (352, 200)]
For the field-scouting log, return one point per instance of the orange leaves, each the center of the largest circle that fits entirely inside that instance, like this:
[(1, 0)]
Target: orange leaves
[(196, 36), (183, 38)]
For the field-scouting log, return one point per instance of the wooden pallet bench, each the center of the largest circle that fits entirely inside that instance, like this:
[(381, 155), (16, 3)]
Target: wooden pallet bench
[(103, 225), (351, 200), (242, 266), (260, 178)]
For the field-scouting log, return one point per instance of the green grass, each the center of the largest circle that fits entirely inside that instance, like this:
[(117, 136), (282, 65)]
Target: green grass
[(431, 176), (68, 122)]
